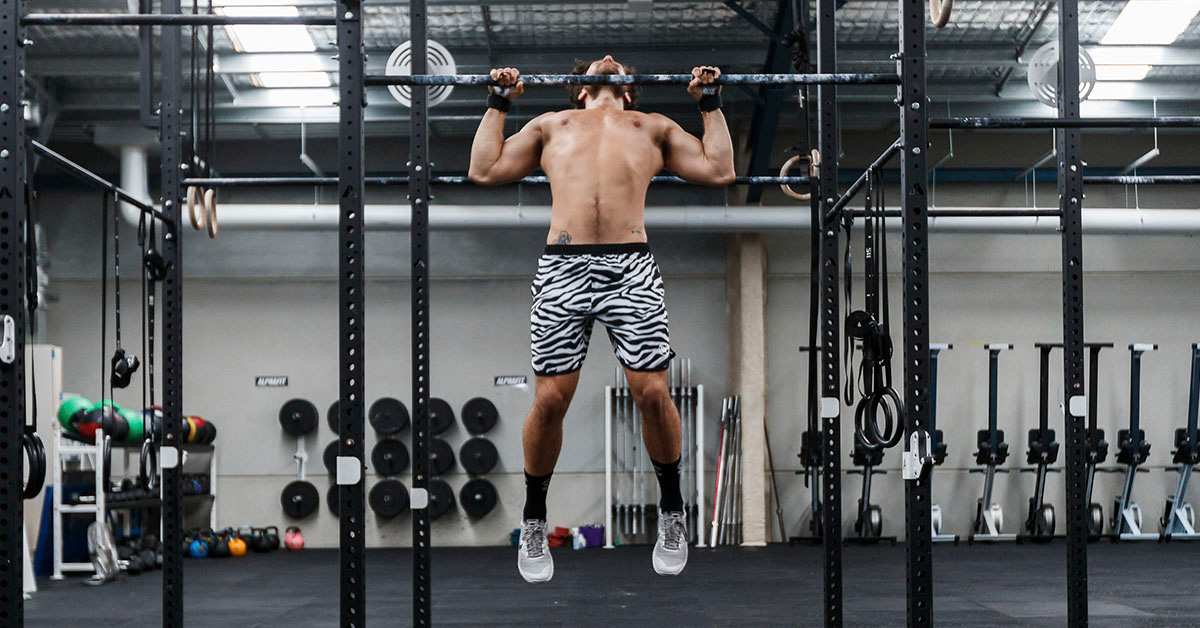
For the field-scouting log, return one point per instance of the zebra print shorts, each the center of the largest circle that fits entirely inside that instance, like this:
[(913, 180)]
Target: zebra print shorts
[(616, 284)]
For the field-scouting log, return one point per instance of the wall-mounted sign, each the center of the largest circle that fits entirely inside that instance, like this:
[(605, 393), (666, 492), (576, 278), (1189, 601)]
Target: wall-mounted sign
[(271, 381), (511, 380)]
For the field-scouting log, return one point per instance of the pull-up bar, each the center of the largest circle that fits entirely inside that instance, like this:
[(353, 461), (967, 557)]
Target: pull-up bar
[(637, 79), (224, 182), (984, 122), (88, 176), (146, 19)]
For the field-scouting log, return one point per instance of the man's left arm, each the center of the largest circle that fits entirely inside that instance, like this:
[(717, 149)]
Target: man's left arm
[(707, 161)]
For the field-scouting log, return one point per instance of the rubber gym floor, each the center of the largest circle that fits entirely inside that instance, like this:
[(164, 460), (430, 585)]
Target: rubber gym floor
[(1131, 585)]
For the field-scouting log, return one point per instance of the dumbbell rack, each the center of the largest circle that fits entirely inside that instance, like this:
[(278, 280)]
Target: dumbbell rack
[(69, 450), (689, 399)]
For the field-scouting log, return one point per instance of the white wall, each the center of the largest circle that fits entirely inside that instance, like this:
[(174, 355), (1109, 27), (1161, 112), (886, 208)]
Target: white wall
[(235, 330)]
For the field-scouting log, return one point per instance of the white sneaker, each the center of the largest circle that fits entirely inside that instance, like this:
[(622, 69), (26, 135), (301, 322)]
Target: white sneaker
[(533, 553), (671, 550)]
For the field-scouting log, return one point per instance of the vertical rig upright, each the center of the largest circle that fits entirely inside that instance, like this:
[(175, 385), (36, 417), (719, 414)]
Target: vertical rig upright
[(1070, 194), (831, 442), (351, 327), (418, 194), (169, 126), (914, 184), (12, 299)]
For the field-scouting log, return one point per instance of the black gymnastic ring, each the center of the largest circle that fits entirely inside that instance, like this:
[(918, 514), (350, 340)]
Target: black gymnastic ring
[(866, 424), (866, 428), (35, 453), (148, 466)]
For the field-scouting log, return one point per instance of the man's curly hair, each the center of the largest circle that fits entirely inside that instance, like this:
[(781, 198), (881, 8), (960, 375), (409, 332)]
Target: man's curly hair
[(581, 67)]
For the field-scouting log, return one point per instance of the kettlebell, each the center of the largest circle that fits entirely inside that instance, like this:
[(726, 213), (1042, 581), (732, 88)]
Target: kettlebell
[(237, 547), (148, 558), (258, 540), (219, 547), (272, 534), (198, 549), (293, 540), (134, 565)]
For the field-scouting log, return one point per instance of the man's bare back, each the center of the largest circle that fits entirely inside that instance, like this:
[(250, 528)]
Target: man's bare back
[(600, 163), (600, 158)]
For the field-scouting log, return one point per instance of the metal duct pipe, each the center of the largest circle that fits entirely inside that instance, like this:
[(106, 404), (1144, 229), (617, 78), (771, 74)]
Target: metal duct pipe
[(135, 179), (691, 218), (702, 218)]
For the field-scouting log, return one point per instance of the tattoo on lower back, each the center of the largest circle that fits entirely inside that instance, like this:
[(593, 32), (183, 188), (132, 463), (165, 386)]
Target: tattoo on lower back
[(563, 238), (638, 232)]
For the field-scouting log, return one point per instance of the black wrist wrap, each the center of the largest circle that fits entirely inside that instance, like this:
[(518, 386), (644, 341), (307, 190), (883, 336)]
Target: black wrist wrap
[(710, 102), (498, 102)]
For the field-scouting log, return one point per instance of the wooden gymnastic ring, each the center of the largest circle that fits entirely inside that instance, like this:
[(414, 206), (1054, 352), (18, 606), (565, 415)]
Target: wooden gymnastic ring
[(193, 198), (787, 165), (939, 12), (210, 211)]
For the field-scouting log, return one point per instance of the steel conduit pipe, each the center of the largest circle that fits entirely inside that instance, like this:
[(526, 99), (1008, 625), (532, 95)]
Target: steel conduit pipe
[(697, 218)]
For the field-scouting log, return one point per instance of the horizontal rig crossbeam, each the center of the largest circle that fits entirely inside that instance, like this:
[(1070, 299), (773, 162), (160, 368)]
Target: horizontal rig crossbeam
[(140, 19), (1160, 122), (220, 182), (84, 174), (1143, 179), (967, 213), (637, 79)]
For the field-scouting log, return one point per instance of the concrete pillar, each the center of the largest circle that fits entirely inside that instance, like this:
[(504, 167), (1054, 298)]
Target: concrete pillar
[(746, 299)]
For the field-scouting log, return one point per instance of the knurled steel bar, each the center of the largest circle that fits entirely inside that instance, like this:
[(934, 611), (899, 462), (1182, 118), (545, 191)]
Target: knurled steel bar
[(216, 182), (84, 174), (226, 182), (169, 127), (855, 187), (831, 443), (1161, 122), (12, 299), (352, 311), (421, 336), (1070, 193), (824, 78), (1152, 179), (914, 186), (170, 19), (966, 213)]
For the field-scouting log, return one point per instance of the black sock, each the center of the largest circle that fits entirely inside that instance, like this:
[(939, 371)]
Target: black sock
[(536, 487), (668, 486)]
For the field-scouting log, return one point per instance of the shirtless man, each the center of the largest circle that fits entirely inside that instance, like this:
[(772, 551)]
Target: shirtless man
[(597, 266)]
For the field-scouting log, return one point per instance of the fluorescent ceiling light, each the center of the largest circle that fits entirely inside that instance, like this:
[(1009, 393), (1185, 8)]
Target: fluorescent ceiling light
[(1152, 22), (268, 38), (1115, 90), (1121, 72), (295, 97), (252, 3), (291, 79)]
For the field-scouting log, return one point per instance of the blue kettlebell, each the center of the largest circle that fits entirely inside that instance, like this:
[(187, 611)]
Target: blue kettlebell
[(198, 549)]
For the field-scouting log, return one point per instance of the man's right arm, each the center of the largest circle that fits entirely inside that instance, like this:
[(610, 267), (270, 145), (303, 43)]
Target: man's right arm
[(494, 160)]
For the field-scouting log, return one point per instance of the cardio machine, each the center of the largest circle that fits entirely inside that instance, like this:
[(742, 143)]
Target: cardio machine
[(1095, 448), (991, 452), (939, 444), (1132, 451), (1042, 452), (1179, 518), (810, 463), (868, 525)]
